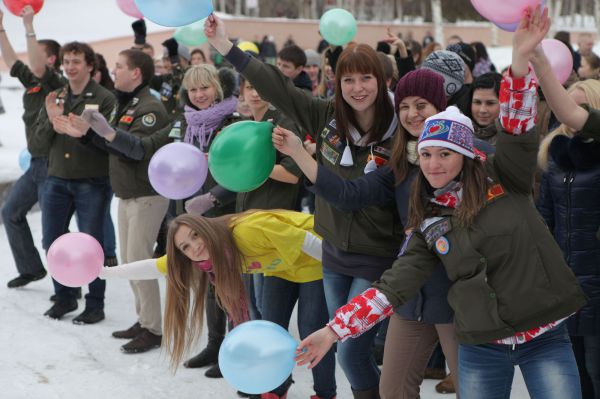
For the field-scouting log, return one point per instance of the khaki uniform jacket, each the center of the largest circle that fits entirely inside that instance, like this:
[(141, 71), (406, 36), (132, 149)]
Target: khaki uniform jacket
[(72, 158), (507, 273), (375, 231), (145, 117)]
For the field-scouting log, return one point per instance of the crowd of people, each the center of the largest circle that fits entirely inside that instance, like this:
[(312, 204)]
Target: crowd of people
[(455, 208)]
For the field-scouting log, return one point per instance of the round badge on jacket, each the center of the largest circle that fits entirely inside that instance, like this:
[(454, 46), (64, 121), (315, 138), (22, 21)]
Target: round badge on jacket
[(149, 120), (442, 245)]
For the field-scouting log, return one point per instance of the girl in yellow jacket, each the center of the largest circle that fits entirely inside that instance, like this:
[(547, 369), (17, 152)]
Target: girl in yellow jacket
[(218, 250)]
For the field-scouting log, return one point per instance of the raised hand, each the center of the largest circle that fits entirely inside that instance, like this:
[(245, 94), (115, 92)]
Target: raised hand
[(286, 141), (312, 349), (532, 29), (54, 108), (214, 29), (27, 14)]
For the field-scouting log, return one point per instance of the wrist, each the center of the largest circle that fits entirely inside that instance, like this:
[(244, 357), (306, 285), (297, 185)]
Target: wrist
[(223, 46)]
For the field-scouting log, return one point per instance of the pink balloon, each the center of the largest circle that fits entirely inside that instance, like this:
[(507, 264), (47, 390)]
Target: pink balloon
[(129, 8), (505, 11), (75, 259), (560, 58)]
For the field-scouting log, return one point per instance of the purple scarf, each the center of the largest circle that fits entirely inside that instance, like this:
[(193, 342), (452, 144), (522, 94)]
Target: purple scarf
[(201, 124)]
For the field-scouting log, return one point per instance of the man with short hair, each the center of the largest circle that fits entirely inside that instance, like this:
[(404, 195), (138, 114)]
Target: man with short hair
[(585, 45), (141, 119), (39, 78), (77, 172), (291, 61)]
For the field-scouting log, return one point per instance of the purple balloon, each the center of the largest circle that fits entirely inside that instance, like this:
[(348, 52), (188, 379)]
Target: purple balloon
[(509, 27), (178, 170)]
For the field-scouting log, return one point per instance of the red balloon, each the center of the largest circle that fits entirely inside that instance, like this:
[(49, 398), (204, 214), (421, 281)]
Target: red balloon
[(16, 6)]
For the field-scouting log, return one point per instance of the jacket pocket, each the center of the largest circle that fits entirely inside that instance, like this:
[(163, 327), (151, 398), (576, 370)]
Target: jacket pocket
[(475, 304)]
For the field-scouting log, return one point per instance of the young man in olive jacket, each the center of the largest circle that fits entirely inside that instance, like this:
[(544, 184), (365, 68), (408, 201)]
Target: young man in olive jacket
[(77, 172), (141, 210), (38, 79)]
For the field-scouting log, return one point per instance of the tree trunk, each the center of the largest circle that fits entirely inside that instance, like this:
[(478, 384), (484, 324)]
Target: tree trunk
[(597, 15), (399, 10), (222, 5), (238, 7), (436, 15)]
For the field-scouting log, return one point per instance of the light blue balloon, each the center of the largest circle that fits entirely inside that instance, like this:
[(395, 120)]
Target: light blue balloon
[(24, 160), (175, 13), (337, 26), (257, 356)]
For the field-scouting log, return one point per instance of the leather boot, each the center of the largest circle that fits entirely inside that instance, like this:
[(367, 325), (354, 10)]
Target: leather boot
[(366, 394)]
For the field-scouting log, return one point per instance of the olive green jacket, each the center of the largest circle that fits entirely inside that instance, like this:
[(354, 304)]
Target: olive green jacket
[(143, 116), (34, 97), (72, 158), (508, 274)]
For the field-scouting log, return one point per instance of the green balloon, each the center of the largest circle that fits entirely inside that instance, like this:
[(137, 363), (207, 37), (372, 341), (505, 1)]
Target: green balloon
[(242, 156), (337, 26), (192, 34)]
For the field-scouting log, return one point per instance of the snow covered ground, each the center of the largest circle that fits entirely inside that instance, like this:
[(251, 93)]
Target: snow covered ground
[(43, 358)]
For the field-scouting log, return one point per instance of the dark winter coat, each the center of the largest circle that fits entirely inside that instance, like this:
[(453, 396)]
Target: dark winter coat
[(569, 202)]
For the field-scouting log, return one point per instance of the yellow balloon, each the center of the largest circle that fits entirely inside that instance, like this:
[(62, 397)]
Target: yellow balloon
[(248, 46)]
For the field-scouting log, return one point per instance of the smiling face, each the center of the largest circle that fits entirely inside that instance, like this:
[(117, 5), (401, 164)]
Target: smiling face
[(485, 107), (202, 97), (191, 244), (413, 111), (440, 165), (359, 90), (126, 79), (76, 68)]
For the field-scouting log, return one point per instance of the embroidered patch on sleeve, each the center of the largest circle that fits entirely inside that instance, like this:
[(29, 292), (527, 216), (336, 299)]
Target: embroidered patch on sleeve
[(149, 120)]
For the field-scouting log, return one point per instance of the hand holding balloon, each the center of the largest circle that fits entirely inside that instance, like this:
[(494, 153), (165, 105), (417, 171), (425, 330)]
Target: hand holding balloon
[(27, 15), (16, 6), (214, 29), (286, 141), (531, 31), (312, 349)]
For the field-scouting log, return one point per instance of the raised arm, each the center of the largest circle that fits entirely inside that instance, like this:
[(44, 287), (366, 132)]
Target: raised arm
[(8, 53), (300, 106), (37, 60)]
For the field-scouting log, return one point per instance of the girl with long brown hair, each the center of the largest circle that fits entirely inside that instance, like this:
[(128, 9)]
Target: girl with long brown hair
[(511, 290), (203, 251), (350, 131)]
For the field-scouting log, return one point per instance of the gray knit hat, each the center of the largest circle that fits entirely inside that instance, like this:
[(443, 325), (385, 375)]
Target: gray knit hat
[(450, 66), (312, 57)]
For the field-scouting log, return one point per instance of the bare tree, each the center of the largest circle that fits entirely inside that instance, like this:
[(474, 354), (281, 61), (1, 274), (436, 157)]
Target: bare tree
[(436, 14), (399, 9), (597, 15)]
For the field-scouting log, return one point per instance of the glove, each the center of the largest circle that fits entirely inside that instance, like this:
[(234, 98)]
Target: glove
[(200, 204), (97, 122), (172, 47), (139, 30)]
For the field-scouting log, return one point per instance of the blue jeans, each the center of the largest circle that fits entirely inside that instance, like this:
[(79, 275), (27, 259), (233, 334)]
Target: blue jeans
[(587, 355), (547, 363), (22, 196), (278, 299), (354, 355), (89, 199)]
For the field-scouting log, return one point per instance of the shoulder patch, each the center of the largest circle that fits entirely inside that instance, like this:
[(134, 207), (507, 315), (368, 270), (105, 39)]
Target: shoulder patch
[(149, 119), (442, 245)]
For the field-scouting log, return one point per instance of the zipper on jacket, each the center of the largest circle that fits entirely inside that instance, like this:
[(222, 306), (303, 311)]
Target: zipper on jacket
[(568, 179)]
